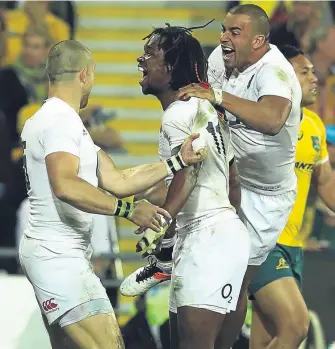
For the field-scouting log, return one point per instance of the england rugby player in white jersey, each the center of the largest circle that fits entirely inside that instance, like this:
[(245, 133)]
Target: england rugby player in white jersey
[(211, 237), (65, 174), (260, 94)]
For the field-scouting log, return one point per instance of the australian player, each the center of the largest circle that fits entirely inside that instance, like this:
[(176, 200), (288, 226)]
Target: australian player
[(276, 286)]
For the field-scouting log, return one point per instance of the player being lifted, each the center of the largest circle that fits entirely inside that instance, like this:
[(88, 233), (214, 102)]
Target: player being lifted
[(212, 248)]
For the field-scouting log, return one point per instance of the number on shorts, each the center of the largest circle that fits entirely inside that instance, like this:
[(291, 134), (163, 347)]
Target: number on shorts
[(217, 136), (25, 166), (226, 292)]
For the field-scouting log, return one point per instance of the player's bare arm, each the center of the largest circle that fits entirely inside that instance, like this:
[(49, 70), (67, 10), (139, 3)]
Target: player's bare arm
[(267, 116), (325, 181), (123, 183), (63, 169), (156, 195), (234, 186), (179, 191)]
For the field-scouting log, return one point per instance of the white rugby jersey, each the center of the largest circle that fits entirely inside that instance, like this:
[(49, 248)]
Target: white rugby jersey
[(265, 163), (210, 194), (56, 127)]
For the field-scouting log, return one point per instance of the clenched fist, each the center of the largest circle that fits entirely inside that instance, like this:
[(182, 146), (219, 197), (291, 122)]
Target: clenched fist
[(190, 157)]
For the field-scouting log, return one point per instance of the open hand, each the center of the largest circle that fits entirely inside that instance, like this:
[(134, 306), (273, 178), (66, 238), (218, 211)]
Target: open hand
[(196, 90)]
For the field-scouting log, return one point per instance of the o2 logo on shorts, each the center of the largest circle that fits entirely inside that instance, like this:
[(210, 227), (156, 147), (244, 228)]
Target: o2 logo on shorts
[(226, 292), (50, 305)]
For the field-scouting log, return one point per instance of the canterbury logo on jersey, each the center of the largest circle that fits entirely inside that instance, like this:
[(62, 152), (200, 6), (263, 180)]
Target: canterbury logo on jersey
[(49, 305), (304, 166)]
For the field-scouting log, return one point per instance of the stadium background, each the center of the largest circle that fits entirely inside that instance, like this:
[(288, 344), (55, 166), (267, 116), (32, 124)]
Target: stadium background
[(126, 124)]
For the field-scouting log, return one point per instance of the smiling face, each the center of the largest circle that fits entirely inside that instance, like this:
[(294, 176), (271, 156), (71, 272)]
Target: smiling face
[(240, 39), (156, 76), (236, 40), (304, 70)]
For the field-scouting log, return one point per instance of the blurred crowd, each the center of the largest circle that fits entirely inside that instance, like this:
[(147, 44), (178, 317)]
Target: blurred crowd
[(27, 31)]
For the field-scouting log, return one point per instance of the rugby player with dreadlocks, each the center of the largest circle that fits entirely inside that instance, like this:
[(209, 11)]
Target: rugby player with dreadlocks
[(212, 248)]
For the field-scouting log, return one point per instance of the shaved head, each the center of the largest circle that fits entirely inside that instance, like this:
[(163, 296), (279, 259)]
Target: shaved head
[(71, 62), (66, 59), (259, 18)]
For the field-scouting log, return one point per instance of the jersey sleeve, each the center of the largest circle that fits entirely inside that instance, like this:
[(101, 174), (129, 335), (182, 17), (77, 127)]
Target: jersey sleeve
[(323, 146), (273, 81), (62, 136), (177, 124), (216, 68)]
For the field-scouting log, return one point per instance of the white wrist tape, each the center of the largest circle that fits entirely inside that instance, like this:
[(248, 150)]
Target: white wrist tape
[(175, 163), (218, 96), (148, 242)]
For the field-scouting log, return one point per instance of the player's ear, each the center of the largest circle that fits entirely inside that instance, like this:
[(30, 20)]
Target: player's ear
[(258, 41), (83, 75)]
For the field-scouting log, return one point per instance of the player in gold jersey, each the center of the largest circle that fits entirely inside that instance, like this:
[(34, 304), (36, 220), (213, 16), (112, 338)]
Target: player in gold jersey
[(279, 311)]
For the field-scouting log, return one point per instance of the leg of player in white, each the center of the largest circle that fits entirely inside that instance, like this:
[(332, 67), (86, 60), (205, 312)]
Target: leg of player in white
[(65, 173)]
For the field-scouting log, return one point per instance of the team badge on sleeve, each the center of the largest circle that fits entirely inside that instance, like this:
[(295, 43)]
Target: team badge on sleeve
[(316, 142)]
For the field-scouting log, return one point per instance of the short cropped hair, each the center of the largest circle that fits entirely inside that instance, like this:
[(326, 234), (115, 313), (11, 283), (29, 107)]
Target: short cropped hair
[(65, 59), (260, 20)]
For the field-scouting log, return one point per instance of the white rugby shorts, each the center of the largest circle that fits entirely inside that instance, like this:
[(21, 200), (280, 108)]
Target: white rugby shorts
[(265, 217), (62, 276), (209, 265)]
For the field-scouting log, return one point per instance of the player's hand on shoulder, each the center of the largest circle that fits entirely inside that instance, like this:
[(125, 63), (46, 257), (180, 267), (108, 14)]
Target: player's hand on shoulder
[(196, 90), (187, 153), (148, 215)]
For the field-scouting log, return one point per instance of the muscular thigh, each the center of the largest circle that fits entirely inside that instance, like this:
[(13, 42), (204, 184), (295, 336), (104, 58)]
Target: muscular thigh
[(98, 331), (280, 301), (198, 328)]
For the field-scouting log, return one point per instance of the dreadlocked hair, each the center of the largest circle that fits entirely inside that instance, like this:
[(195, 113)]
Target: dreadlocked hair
[(183, 54)]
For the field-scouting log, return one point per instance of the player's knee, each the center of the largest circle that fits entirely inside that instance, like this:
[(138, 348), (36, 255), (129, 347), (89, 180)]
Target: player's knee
[(295, 326), (301, 326)]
